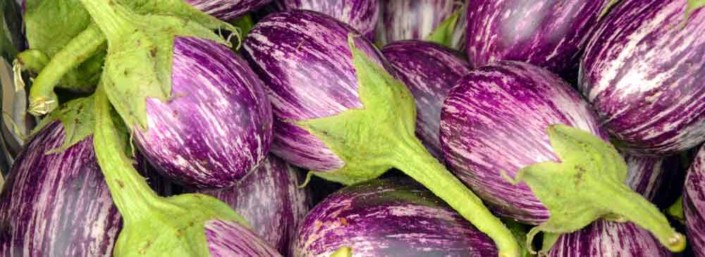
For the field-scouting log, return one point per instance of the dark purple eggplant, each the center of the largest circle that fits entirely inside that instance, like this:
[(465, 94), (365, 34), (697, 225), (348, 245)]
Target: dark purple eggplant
[(429, 71), (545, 33), (642, 73), (694, 204), (390, 217), (362, 15), (271, 201), (526, 142)]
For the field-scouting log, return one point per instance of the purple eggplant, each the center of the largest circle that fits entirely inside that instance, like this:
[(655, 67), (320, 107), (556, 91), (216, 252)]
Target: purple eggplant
[(390, 217), (227, 239), (429, 71), (694, 204), (643, 77), (362, 15), (658, 179), (227, 9), (423, 20), (270, 200), (544, 33), (340, 114), (539, 153)]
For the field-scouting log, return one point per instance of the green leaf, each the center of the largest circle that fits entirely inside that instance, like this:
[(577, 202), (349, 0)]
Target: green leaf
[(587, 184), (380, 135), (245, 23), (443, 34), (50, 24)]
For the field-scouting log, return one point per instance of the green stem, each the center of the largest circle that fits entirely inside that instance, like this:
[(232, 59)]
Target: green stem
[(42, 98), (110, 18), (413, 159), (33, 60), (130, 192), (629, 204)]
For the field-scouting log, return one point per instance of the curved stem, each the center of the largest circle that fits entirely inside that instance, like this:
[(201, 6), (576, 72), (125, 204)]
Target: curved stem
[(33, 60), (42, 98), (413, 159), (110, 18), (130, 192)]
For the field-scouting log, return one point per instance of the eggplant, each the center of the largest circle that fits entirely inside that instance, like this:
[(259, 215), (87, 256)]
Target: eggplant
[(694, 204), (344, 117), (362, 15), (539, 153), (227, 9), (270, 200), (440, 21), (429, 71), (643, 77), (388, 217), (544, 33), (227, 239)]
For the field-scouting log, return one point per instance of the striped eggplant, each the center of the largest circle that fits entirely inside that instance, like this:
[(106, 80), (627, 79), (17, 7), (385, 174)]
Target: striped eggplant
[(227, 9), (538, 120), (429, 71), (270, 200), (658, 179), (344, 117), (362, 15), (694, 204), (389, 217), (544, 33), (643, 77), (228, 239), (423, 20)]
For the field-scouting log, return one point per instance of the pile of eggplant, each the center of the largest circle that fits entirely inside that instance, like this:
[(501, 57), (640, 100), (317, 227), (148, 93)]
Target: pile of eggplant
[(400, 128)]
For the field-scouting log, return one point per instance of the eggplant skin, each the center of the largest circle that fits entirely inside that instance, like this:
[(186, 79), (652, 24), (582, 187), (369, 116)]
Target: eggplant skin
[(217, 127), (643, 71), (227, 9), (57, 204), (694, 204), (547, 33), (270, 200), (429, 71), (414, 19), (392, 218), (229, 239), (362, 15)]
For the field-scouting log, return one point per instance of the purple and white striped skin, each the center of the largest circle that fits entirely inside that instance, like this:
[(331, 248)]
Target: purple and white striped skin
[(57, 204), (415, 19), (541, 32), (694, 204), (503, 110), (271, 201), (217, 127), (429, 70), (656, 178), (227, 9), (362, 15), (291, 49), (644, 78), (228, 239), (390, 217)]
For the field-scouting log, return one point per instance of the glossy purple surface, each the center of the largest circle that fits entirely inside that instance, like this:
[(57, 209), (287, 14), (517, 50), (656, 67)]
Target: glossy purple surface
[(545, 33), (230, 239), (495, 120), (694, 204), (389, 218), (305, 61), (227, 9), (416, 19), (643, 74), (218, 125), (429, 71), (359, 14), (271, 201)]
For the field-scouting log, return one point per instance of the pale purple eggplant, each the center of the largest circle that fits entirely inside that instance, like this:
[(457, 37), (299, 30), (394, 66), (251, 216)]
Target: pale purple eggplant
[(496, 125), (429, 70), (362, 15), (227, 9), (694, 204), (644, 78), (543, 32), (228, 239), (418, 19), (217, 127), (270, 200), (390, 217)]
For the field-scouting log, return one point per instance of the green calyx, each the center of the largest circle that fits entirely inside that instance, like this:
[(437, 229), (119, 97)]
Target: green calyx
[(380, 135), (692, 6), (152, 225), (444, 33), (588, 184), (343, 252), (77, 118), (676, 211)]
